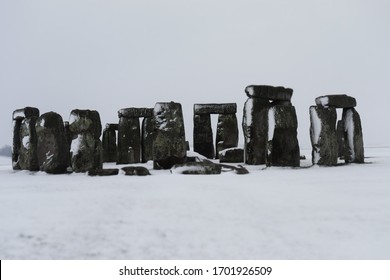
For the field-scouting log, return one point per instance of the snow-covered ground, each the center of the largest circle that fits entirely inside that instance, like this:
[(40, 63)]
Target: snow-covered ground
[(275, 213)]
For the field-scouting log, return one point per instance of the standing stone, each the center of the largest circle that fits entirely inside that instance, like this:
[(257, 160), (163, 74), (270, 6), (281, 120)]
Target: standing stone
[(340, 138), (203, 135), (283, 125), (53, 156), (129, 140), (227, 132), (323, 135), (109, 143), (255, 129), (86, 148), (147, 139), (28, 158), (169, 147), (336, 100), (69, 139), (353, 136), (18, 116)]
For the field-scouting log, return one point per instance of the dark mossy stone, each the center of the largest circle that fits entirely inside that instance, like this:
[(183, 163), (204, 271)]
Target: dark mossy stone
[(147, 139), (136, 171), (129, 141), (323, 135), (110, 149), (203, 136), (227, 132), (52, 151), (353, 137), (197, 168), (169, 146), (340, 138), (215, 108), (86, 153), (28, 157), (231, 155), (16, 143), (85, 121), (336, 100), (103, 172), (269, 92), (255, 129), (26, 112), (135, 113), (112, 126)]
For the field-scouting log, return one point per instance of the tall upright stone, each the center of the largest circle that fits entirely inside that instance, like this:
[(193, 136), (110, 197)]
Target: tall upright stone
[(28, 157), (169, 147), (227, 132), (147, 139), (29, 151), (323, 135), (110, 150), (86, 148), (129, 140), (203, 135), (340, 138), (52, 152), (353, 136), (283, 124)]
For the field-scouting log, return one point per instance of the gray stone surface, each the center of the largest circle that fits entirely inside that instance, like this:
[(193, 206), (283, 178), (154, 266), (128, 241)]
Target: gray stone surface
[(203, 135), (81, 121), (353, 137), (197, 168), (336, 100), (284, 150), (28, 157), (104, 172), (27, 112), (269, 92), (110, 149), (53, 155), (169, 145), (340, 138), (135, 113), (232, 155), (136, 171), (215, 108), (323, 135), (227, 132), (129, 141), (255, 129), (147, 139)]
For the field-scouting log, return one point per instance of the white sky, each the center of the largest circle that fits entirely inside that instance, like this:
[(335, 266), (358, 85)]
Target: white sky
[(110, 54)]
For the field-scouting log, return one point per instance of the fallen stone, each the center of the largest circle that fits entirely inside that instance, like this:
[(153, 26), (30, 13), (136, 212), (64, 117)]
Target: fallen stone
[(227, 133), (203, 136), (136, 171), (196, 168), (169, 146), (103, 172), (215, 108), (269, 92), (231, 155), (323, 135), (52, 152), (353, 137), (336, 100), (135, 113)]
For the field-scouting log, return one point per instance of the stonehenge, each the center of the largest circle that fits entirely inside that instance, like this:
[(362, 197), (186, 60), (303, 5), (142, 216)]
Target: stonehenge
[(48, 143), (331, 141)]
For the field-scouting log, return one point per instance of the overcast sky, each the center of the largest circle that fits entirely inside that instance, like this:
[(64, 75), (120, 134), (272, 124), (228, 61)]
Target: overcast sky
[(110, 54)]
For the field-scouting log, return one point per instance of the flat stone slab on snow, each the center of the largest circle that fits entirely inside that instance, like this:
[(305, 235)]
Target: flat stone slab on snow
[(135, 113), (104, 172), (269, 92), (215, 108), (197, 168), (336, 100), (136, 171)]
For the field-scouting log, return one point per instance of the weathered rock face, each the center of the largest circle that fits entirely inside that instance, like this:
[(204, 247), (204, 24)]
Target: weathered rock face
[(197, 168), (53, 156), (340, 138), (269, 92), (323, 135), (110, 150), (18, 116), (135, 113), (227, 132), (353, 137), (103, 172), (136, 171), (231, 155), (255, 128), (203, 135), (147, 139), (28, 158), (86, 148), (129, 141), (283, 124), (336, 100), (169, 145), (215, 108)]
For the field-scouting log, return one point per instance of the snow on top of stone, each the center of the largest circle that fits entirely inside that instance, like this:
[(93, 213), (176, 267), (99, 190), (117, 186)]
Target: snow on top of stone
[(190, 169), (322, 101), (349, 127), (26, 142), (76, 143), (316, 129), (248, 111), (73, 118), (223, 152)]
